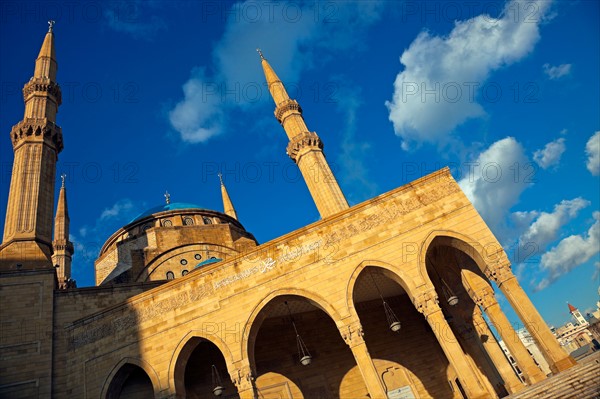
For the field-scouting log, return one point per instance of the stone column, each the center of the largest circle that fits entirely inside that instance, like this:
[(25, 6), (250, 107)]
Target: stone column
[(243, 379), (427, 304), (557, 358), (486, 299), (353, 335), (512, 383)]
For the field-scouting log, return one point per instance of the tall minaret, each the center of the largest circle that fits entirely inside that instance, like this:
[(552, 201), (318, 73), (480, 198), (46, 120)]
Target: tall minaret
[(577, 315), (305, 148), (63, 248), (227, 204), (36, 141)]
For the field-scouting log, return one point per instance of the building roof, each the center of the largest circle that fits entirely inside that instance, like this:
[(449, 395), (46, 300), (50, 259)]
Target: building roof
[(165, 207), (571, 308)]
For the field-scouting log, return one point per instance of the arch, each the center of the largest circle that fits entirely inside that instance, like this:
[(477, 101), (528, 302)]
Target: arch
[(132, 361), (186, 345), (247, 344), (482, 255), (393, 273)]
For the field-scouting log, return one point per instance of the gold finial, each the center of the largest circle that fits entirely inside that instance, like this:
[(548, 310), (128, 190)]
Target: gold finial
[(221, 178), (51, 25), (62, 178), (167, 197), (260, 53)]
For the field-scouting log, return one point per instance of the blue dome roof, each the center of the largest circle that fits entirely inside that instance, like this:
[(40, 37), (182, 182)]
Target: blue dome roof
[(165, 207), (208, 262)]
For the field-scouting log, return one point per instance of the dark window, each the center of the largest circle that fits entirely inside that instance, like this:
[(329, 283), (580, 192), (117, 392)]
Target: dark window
[(184, 272), (170, 275), (183, 262), (188, 221), (197, 256), (207, 220), (167, 223)]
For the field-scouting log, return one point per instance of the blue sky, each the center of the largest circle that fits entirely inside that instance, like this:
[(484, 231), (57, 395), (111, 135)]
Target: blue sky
[(161, 95)]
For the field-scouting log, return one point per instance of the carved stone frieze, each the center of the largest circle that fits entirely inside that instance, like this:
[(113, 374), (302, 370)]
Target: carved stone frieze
[(301, 141)]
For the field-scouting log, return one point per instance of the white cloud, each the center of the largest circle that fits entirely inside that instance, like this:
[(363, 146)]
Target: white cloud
[(592, 150), (198, 116), (492, 184), (287, 39), (556, 72), (570, 253), (550, 154), (453, 67), (546, 227), (124, 206)]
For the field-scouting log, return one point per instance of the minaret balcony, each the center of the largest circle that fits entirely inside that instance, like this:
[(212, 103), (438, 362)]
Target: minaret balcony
[(38, 129), (43, 86), (302, 141), (285, 107)]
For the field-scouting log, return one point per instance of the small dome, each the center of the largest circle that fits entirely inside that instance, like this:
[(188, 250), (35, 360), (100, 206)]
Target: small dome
[(165, 207), (208, 262)]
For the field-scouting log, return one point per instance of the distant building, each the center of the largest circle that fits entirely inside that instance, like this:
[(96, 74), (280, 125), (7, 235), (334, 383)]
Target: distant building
[(575, 337), (534, 352)]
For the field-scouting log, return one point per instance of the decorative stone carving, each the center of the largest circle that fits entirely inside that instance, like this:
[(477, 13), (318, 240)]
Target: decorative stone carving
[(353, 334), (43, 85), (427, 303), (306, 139), (243, 378), (499, 273), (289, 105)]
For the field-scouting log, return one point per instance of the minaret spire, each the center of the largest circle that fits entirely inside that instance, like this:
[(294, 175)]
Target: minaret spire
[(36, 140), (305, 147), (63, 247), (227, 204)]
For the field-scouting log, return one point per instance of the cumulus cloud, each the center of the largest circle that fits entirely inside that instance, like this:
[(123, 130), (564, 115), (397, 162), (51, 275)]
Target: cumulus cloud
[(550, 154), (492, 184), (437, 90), (198, 116), (287, 38), (556, 72), (592, 150), (570, 252), (546, 227)]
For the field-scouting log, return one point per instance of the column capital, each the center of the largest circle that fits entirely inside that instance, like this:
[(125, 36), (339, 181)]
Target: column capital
[(484, 298), (242, 377), (352, 333), (499, 273), (427, 302)]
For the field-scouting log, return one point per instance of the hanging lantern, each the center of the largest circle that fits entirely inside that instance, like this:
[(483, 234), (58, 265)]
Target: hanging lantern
[(216, 382), (392, 320), (450, 297), (303, 353)]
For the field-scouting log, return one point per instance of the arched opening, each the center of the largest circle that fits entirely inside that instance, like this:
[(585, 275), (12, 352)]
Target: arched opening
[(409, 361), (287, 330), (457, 279), (201, 371), (130, 382)]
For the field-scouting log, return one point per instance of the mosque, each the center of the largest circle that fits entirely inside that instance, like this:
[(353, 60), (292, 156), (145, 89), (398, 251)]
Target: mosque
[(390, 298)]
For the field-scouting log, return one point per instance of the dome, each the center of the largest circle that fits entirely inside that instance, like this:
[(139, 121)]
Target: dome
[(208, 262), (165, 207)]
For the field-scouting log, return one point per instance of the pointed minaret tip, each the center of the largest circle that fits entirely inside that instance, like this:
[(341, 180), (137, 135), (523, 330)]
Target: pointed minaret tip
[(228, 208), (262, 57)]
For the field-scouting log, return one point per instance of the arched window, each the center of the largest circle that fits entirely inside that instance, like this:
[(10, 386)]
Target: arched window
[(167, 223), (188, 221), (183, 262), (197, 256), (184, 272), (170, 275), (206, 220)]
